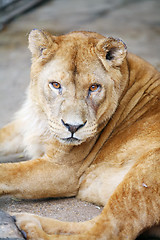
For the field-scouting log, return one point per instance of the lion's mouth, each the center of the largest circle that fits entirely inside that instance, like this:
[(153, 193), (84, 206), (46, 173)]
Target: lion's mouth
[(71, 140)]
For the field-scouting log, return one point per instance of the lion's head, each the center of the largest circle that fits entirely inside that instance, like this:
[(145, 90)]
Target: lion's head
[(76, 80)]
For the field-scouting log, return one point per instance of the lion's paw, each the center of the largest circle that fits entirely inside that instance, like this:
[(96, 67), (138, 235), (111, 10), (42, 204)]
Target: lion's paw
[(29, 226)]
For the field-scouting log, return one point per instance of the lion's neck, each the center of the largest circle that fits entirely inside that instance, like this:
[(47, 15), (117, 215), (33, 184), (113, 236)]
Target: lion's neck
[(141, 95), (70, 155)]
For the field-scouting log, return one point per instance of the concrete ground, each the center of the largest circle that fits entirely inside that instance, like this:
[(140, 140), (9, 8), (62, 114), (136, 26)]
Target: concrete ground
[(137, 22)]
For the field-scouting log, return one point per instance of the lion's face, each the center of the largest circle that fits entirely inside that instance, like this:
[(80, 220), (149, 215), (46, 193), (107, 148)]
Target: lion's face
[(77, 81)]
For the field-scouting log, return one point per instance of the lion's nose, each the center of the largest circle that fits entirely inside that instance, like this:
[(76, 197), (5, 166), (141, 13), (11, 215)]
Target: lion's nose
[(73, 128)]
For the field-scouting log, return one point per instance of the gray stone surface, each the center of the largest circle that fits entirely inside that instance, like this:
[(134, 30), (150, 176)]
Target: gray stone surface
[(8, 230), (137, 22)]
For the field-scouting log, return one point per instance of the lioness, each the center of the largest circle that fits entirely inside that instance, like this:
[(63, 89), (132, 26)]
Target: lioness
[(91, 125)]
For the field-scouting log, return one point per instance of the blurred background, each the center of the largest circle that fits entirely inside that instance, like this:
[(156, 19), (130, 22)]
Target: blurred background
[(136, 22)]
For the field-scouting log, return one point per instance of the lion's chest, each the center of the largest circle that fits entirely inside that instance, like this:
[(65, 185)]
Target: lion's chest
[(100, 182)]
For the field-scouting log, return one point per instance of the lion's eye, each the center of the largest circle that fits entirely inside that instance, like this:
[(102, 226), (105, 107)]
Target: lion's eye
[(56, 85), (94, 87)]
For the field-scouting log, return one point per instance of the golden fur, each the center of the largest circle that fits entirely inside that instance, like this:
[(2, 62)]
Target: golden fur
[(91, 125)]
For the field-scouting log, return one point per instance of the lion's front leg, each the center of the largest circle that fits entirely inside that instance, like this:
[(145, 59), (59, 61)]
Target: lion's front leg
[(53, 226), (35, 179), (34, 228)]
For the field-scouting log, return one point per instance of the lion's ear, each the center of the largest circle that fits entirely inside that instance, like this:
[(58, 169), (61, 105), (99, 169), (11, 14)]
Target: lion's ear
[(39, 41), (112, 50)]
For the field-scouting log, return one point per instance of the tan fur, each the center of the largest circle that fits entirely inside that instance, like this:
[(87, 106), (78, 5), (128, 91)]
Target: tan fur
[(108, 101)]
